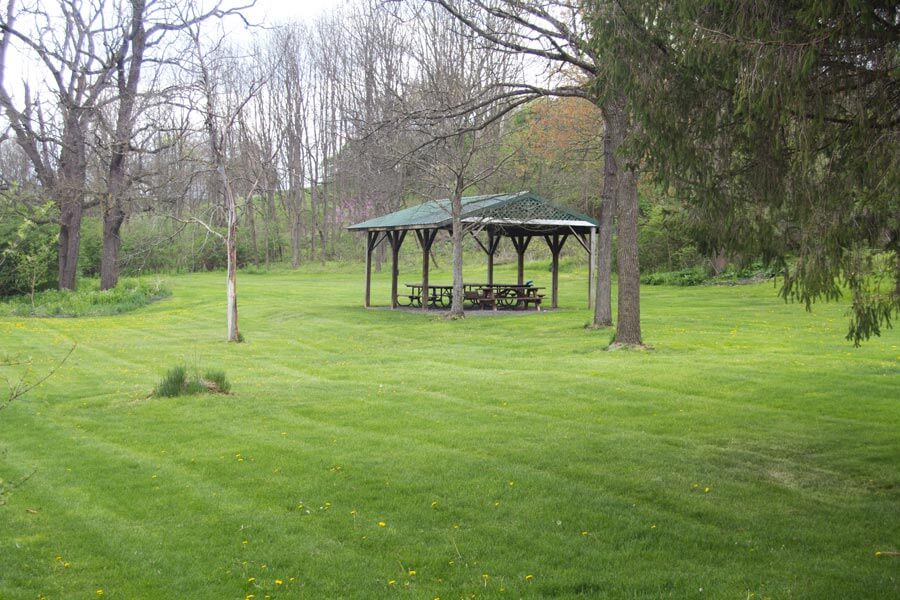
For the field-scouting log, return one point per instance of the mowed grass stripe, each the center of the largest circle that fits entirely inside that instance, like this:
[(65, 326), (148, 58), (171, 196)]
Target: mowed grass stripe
[(792, 430)]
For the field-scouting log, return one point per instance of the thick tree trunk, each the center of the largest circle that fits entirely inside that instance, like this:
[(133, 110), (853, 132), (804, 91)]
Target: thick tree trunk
[(69, 241), (612, 116), (112, 242), (628, 325)]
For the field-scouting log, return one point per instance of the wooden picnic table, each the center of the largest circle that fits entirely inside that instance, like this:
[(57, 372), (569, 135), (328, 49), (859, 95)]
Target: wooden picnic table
[(481, 295)]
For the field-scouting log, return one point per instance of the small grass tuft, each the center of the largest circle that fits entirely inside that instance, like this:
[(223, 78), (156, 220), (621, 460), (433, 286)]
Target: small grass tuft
[(177, 383), (216, 382), (173, 383)]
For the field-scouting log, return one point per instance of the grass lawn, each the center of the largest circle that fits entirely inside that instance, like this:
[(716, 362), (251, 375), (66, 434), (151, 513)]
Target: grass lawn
[(371, 454)]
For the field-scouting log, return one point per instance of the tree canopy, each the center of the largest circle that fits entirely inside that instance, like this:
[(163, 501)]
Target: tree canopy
[(777, 124)]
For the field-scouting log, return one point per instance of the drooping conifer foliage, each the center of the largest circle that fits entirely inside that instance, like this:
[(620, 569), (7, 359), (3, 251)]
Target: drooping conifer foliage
[(777, 123)]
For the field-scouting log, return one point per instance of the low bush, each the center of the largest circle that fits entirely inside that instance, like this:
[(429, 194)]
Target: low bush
[(88, 300), (752, 272), (685, 277), (178, 382)]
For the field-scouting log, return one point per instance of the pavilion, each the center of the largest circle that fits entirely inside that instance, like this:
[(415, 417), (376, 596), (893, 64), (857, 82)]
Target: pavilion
[(488, 219)]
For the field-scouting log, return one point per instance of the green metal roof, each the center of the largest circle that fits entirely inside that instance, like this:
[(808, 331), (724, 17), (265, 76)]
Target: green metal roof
[(520, 209)]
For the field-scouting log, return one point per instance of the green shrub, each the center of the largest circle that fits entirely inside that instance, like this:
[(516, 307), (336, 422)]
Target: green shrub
[(173, 383), (88, 300), (91, 247), (28, 257), (685, 277), (753, 271), (177, 382)]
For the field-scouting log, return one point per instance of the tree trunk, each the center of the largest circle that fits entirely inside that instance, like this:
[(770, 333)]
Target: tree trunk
[(296, 240), (628, 325), (457, 310), (109, 262), (231, 243), (612, 115), (251, 224), (69, 240), (127, 83)]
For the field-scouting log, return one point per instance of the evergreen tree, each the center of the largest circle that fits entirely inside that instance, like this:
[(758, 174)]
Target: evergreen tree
[(778, 123)]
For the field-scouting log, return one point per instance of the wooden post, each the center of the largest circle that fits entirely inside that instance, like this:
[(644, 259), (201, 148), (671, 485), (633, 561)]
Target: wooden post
[(426, 254), (426, 239), (493, 243), (592, 269), (555, 242), (370, 237), (396, 239), (521, 244)]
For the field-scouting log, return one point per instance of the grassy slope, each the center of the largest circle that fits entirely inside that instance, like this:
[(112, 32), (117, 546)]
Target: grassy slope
[(506, 456)]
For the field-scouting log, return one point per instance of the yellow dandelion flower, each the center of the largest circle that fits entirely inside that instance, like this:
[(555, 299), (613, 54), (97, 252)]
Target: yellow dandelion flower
[(392, 582), (706, 490), (99, 592), (434, 504), (382, 524), (584, 533), (278, 582), (653, 527), (251, 579), (412, 573), (529, 577), (249, 597), (878, 553)]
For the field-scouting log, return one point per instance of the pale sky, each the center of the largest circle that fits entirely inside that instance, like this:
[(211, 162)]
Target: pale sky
[(278, 11), (267, 13), (275, 12)]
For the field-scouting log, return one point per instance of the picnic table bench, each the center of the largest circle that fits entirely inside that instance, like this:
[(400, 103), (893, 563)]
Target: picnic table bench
[(481, 295)]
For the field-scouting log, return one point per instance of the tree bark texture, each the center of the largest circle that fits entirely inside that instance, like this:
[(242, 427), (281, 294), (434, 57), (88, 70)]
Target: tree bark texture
[(231, 246), (628, 325), (612, 139), (457, 310), (70, 195)]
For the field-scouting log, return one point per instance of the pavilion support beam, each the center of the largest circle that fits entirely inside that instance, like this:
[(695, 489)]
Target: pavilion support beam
[(396, 239), (520, 242), (493, 244), (588, 241), (555, 242), (373, 240), (593, 270), (426, 239)]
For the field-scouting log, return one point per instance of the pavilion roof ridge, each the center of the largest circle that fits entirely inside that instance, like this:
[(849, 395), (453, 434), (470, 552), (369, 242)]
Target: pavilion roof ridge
[(500, 208)]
